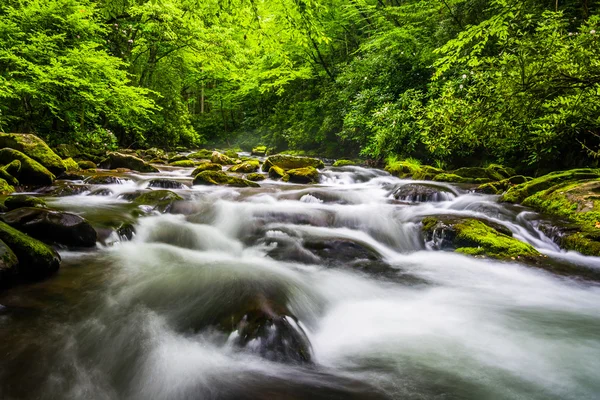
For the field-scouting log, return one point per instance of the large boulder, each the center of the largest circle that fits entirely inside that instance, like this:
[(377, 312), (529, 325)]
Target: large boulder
[(116, 160), (475, 237), (8, 263), (10, 171), (5, 187), (302, 175), (291, 162), (276, 172), (52, 226), (221, 178), (71, 165), (36, 259), (31, 171), (420, 192), (246, 167), (35, 148), (207, 167)]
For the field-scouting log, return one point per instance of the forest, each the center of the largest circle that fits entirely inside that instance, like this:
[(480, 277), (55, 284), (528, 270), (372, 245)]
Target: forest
[(445, 82)]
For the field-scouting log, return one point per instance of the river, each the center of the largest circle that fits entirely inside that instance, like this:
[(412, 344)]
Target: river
[(359, 306)]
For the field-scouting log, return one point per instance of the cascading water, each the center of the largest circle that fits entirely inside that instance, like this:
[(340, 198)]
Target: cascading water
[(296, 292)]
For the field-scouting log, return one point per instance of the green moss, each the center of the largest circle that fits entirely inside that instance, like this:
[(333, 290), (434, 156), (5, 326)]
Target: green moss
[(403, 169), (71, 165), (35, 148), (207, 167), (302, 175), (255, 177), (184, 164), (276, 173), (501, 186), (31, 172), (246, 167), (475, 234), (177, 157), (520, 192), (505, 172), (259, 150), (427, 173), (36, 259), (9, 171), (291, 162), (161, 199), (84, 164), (221, 178), (232, 153)]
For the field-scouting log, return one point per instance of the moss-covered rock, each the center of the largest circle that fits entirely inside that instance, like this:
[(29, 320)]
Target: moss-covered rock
[(255, 177), (161, 200), (9, 171), (302, 175), (453, 178), (84, 164), (31, 172), (22, 200), (259, 151), (477, 174), (219, 158), (178, 157), (52, 226), (183, 164), (427, 173), (420, 192), (152, 153), (344, 163), (475, 237), (8, 264), (203, 154), (116, 160), (71, 165), (36, 259), (276, 172), (505, 172), (291, 162), (246, 167), (66, 150), (501, 186), (105, 180), (166, 184), (520, 192), (231, 153), (5, 187), (35, 148), (403, 169), (207, 167), (221, 178)]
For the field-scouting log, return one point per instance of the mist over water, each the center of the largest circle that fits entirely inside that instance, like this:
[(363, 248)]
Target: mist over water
[(361, 306)]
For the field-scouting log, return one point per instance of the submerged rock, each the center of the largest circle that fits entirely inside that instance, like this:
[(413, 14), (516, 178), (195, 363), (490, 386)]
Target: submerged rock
[(291, 162), (52, 226), (31, 172), (22, 200), (36, 259), (221, 178), (117, 160), (302, 175), (475, 237), (35, 148), (246, 167)]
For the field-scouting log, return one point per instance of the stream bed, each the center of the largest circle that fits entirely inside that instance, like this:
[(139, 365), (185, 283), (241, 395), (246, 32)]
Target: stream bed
[(294, 291)]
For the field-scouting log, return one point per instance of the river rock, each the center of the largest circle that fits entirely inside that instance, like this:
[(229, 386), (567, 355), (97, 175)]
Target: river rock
[(183, 164), (207, 167), (31, 172), (161, 200), (8, 264), (22, 200), (221, 178), (85, 164), (166, 184), (291, 162), (475, 237), (302, 175), (10, 171), (105, 180), (64, 190), (117, 160), (417, 193), (276, 172), (36, 259), (71, 165), (246, 167), (178, 157), (52, 226), (255, 177), (35, 148), (219, 158), (201, 155), (5, 187)]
